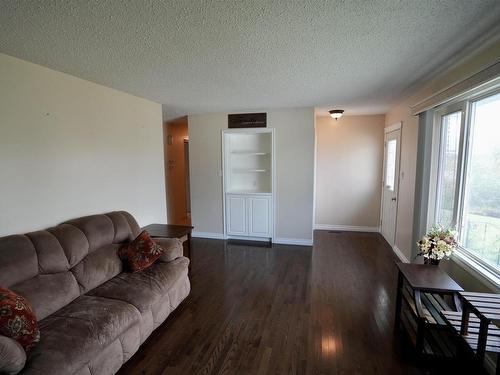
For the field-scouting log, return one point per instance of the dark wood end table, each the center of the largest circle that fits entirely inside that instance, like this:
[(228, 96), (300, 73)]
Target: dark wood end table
[(173, 231), (422, 288)]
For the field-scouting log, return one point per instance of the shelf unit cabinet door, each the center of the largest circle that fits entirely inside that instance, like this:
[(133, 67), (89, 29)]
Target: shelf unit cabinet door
[(236, 215), (259, 215)]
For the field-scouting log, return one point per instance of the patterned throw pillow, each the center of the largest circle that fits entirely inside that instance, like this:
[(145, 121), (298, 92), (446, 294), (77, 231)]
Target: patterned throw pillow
[(141, 252), (17, 319)]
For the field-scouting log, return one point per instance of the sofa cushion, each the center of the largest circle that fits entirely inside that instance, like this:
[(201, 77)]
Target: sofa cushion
[(51, 256), (48, 293), (17, 319), (18, 260), (98, 267), (98, 229), (125, 226), (143, 289), (74, 335), (12, 356), (141, 252), (132, 223), (73, 241), (173, 248)]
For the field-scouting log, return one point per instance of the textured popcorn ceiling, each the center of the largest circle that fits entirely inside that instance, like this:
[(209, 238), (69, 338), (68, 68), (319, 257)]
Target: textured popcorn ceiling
[(205, 56)]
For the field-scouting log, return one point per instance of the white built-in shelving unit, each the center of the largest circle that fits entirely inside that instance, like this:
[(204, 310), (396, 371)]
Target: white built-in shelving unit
[(248, 171)]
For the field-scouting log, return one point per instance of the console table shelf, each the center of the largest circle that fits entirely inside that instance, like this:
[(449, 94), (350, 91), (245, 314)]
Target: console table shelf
[(436, 342)]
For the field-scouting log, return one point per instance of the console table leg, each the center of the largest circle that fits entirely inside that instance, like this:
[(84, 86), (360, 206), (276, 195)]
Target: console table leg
[(465, 320), (482, 339), (187, 250), (456, 302), (420, 335)]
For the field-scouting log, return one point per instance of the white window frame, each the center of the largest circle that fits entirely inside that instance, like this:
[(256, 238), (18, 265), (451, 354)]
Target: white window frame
[(488, 273), (438, 160)]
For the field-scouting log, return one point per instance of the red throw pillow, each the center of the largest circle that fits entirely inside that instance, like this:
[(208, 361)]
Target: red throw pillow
[(141, 252), (17, 319)]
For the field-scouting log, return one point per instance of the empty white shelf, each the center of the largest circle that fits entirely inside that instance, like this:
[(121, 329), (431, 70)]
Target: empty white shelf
[(245, 170), (249, 153)]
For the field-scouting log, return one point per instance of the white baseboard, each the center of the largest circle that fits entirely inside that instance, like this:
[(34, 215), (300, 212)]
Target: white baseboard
[(282, 241), (244, 238), (347, 228), (213, 236), (293, 241), (400, 255)]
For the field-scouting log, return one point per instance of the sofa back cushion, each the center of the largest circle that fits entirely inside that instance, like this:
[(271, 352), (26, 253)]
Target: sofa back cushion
[(98, 267), (18, 260), (53, 267)]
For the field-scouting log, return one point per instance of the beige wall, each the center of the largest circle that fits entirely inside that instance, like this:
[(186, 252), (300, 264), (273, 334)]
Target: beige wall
[(69, 147), (349, 158), (483, 58), (294, 132), (407, 171)]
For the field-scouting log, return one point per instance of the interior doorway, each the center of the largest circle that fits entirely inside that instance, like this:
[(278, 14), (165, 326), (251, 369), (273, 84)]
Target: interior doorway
[(176, 147), (390, 184)]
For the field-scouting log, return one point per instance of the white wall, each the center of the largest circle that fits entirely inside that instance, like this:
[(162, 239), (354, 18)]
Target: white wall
[(294, 132), (349, 158), (205, 165), (407, 170), (69, 147)]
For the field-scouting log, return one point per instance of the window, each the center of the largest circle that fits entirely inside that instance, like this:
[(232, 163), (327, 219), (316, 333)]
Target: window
[(390, 168), (468, 176), (448, 166), (480, 227)]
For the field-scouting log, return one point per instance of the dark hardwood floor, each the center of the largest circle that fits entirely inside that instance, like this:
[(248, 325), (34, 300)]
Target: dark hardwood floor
[(284, 310)]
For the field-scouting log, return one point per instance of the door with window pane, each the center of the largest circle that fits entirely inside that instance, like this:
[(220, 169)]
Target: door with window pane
[(390, 185), (480, 222)]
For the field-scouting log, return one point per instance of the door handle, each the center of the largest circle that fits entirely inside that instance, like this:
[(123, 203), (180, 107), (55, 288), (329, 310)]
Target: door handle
[(393, 199)]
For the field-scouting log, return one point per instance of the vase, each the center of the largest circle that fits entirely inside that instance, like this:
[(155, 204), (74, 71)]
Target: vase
[(433, 262)]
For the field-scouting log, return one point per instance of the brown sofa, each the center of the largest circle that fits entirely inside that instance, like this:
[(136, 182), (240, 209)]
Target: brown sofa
[(92, 315)]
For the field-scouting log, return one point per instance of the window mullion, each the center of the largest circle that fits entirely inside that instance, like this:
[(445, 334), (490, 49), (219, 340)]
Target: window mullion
[(462, 168), (437, 201), (466, 145)]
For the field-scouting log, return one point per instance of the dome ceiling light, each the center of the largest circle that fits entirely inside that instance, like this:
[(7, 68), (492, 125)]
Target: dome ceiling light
[(336, 113)]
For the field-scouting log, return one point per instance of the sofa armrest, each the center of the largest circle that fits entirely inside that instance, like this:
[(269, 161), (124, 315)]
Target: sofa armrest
[(12, 356), (173, 247)]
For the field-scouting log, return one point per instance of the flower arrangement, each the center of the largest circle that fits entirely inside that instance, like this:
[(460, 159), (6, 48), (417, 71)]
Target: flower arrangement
[(438, 244)]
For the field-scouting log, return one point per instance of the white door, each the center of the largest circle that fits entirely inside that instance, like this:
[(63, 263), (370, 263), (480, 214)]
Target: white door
[(259, 212), (390, 184), (236, 215)]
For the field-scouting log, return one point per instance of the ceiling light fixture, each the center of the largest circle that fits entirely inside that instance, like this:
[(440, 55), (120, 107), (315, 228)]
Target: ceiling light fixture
[(336, 113)]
